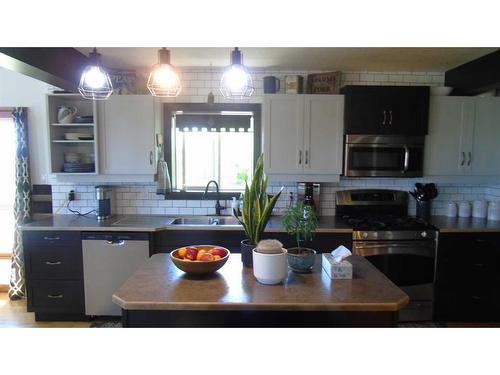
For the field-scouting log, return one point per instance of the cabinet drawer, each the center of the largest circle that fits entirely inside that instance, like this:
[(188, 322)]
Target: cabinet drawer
[(45, 262), (51, 238), (56, 296)]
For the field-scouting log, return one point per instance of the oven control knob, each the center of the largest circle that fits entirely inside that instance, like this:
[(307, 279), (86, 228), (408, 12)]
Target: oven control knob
[(365, 235), (423, 234), (375, 235)]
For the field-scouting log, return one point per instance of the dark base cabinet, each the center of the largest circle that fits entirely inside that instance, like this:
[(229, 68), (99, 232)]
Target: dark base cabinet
[(54, 275), (167, 241), (254, 319), (467, 284)]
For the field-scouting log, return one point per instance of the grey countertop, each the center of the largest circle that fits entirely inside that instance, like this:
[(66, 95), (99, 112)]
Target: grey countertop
[(447, 224), (151, 223)]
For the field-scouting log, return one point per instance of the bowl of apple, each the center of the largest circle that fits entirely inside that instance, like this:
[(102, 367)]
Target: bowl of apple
[(200, 259)]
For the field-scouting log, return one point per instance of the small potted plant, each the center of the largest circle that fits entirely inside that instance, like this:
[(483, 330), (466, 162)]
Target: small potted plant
[(256, 211), (269, 262), (301, 222)]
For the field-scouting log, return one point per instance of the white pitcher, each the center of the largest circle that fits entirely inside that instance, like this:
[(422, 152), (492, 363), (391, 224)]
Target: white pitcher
[(65, 114)]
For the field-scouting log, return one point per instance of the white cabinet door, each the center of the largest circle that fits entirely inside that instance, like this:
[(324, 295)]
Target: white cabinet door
[(323, 133), (451, 121), (128, 135), (485, 153), (283, 134)]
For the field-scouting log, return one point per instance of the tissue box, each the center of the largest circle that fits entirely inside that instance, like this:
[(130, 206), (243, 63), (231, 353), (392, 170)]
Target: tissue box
[(342, 270)]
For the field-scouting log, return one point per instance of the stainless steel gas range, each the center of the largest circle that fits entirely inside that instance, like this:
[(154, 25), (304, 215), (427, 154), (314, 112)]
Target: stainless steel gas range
[(402, 247)]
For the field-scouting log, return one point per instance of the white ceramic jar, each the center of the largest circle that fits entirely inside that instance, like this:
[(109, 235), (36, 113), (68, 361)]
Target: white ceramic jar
[(464, 209), (494, 210), (480, 209), (451, 209), (270, 268)]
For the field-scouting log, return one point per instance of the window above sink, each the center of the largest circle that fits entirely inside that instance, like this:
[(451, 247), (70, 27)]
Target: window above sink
[(205, 142)]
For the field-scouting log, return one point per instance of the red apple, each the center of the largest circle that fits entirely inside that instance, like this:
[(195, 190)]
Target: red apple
[(206, 257), (220, 251), (191, 253)]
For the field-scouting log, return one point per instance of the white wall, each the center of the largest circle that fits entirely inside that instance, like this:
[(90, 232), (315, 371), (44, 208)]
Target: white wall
[(18, 90)]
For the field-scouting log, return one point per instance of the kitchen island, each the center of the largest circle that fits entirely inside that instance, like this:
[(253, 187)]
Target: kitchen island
[(160, 295)]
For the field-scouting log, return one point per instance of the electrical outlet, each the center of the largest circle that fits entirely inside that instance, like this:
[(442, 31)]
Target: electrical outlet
[(71, 195)]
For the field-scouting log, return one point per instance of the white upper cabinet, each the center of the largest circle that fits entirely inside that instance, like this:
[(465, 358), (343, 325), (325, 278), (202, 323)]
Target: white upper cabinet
[(303, 136), (323, 134), (283, 134), (464, 137), (128, 135), (447, 143), (485, 158)]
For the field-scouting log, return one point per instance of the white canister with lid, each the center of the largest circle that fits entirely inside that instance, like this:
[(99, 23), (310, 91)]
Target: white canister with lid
[(464, 209), (480, 209), (494, 210), (451, 209)]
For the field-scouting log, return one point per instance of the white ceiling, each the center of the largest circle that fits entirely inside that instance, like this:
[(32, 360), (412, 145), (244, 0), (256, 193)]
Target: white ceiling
[(370, 59)]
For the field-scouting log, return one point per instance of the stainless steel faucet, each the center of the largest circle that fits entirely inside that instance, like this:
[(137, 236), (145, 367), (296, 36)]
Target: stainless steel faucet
[(218, 207)]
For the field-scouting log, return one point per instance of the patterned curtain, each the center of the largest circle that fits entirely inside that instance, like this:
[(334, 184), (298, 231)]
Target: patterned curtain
[(22, 205)]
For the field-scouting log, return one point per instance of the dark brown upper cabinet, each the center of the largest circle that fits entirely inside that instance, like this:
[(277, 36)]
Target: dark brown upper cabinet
[(386, 110)]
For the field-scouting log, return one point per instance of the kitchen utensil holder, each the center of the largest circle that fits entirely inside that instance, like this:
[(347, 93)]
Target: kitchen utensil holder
[(423, 210)]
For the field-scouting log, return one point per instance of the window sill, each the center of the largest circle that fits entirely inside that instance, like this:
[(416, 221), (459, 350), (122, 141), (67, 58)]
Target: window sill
[(195, 195)]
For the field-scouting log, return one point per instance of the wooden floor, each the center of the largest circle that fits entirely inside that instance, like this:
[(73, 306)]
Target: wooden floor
[(13, 314)]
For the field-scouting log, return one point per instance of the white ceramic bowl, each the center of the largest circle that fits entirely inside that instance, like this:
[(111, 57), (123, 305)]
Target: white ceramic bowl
[(75, 136), (72, 157), (441, 91)]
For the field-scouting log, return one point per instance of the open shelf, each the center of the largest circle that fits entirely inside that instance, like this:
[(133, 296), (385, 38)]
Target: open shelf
[(87, 149), (74, 124)]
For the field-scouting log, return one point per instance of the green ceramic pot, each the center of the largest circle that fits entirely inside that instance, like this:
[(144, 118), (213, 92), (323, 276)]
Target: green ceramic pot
[(301, 259)]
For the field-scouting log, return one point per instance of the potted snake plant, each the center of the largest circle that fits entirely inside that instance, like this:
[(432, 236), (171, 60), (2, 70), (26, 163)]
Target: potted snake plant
[(301, 222), (256, 211)]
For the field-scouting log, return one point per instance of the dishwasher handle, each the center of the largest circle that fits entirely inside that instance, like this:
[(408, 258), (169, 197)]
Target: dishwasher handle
[(115, 242)]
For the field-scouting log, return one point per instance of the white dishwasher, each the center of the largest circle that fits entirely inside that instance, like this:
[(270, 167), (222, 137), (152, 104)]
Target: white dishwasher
[(109, 259)]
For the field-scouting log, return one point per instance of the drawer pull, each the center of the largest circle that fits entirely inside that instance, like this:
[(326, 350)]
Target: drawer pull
[(55, 296), (51, 238), (58, 263)]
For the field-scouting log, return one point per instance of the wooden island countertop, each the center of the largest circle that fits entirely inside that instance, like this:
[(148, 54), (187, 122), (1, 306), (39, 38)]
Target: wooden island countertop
[(158, 290)]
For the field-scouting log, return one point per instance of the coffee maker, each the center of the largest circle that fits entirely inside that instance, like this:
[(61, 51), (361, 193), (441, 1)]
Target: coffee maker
[(308, 192), (105, 202)]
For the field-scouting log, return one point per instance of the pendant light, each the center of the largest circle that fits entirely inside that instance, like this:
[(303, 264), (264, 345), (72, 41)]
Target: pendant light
[(95, 83), (163, 80), (211, 96), (236, 81)]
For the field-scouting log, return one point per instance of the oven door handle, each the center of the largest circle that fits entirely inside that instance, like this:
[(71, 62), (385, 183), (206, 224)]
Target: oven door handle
[(407, 159), (394, 249)]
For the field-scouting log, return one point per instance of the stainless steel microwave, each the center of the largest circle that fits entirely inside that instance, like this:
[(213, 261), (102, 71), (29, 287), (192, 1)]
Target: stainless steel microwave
[(383, 156)]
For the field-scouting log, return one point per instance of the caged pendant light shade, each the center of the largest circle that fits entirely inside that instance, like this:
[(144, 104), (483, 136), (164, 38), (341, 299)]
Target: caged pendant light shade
[(236, 81), (95, 83), (163, 80)]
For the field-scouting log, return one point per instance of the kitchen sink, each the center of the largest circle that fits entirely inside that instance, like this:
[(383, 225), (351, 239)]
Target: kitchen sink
[(206, 220)]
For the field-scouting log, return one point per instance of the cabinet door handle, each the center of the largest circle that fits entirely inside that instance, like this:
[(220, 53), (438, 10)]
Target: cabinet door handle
[(151, 157), (385, 118), (463, 159), (51, 238), (58, 263), (406, 159), (307, 157), (390, 117), (300, 157), (55, 296), (470, 159)]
